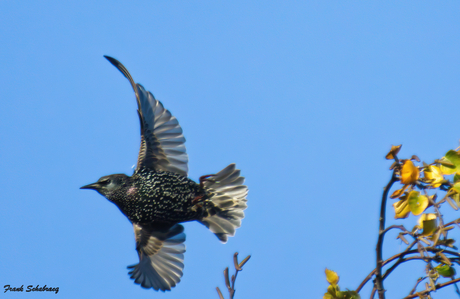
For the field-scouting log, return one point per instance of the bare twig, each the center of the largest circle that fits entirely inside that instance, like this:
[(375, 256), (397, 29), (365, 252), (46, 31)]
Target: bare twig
[(373, 292), (437, 287), (235, 262), (363, 283), (220, 293), (230, 283), (401, 227), (416, 285), (438, 213), (456, 221)]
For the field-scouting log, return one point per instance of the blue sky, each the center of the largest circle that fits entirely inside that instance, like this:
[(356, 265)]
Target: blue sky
[(306, 97)]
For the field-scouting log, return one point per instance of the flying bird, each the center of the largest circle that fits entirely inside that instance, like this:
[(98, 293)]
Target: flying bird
[(159, 195)]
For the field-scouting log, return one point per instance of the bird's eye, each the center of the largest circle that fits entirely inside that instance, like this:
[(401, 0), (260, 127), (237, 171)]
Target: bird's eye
[(106, 182)]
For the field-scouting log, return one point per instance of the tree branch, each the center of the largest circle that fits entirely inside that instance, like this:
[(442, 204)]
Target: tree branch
[(401, 227), (456, 221), (378, 272), (437, 287), (402, 255), (369, 276), (403, 260), (373, 293)]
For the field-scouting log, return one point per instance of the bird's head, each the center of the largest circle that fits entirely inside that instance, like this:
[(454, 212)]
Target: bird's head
[(109, 184)]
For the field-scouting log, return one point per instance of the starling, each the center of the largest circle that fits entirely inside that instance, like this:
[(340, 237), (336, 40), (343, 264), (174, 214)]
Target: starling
[(159, 195)]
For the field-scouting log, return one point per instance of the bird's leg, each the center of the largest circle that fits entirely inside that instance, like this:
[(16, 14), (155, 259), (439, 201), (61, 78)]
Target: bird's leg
[(197, 206), (203, 179), (197, 198)]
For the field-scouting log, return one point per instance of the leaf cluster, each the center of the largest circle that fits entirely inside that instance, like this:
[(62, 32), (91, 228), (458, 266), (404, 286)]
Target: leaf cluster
[(420, 185), (333, 290)]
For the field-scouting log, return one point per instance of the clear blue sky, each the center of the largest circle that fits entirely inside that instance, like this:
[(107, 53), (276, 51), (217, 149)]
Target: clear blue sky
[(306, 97)]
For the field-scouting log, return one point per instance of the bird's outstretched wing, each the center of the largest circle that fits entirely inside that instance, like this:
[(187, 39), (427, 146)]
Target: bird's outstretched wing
[(161, 257), (162, 142)]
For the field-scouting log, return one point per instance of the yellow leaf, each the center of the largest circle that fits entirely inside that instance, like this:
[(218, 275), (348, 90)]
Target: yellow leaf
[(331, 276), (393, 152), (434, 173), (400, 205), (333, 289), (454, 158), (409, 173), (417, 203), (428, 223), (402, 208), (398, 192), (456, 198), (456, 187), (450, 163), (446, 166)]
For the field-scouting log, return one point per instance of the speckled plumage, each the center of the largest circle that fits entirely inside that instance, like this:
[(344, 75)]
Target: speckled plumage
[(159, 196)]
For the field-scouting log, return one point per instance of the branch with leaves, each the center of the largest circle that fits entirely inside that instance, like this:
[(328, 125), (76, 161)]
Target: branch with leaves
[(420, 186), (231, 283)]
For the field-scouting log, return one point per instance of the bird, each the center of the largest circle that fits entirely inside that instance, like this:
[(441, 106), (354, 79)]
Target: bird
[(159, 196)]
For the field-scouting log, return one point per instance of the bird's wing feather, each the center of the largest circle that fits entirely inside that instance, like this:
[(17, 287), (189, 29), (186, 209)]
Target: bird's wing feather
[(161, 257), (162, 141)]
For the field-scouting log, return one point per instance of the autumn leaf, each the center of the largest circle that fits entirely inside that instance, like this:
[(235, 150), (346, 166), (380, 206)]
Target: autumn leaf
[(402, 208), (393, 152), (446, 167), (332, 276), (417, 203), (333, 290), (450, 163), (428, 223), (398, 192), (456, 187), (434, 173), (409, 173), (456, 198)]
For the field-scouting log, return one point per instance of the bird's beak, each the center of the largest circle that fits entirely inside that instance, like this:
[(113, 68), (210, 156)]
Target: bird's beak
[(94, 186)]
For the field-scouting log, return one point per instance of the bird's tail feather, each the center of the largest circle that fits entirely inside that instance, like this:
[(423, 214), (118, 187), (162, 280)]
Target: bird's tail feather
[(228, 201)]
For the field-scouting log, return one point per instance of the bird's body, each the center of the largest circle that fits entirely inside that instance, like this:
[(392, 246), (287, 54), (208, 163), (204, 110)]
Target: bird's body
[(152, 196), (159, 195)]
